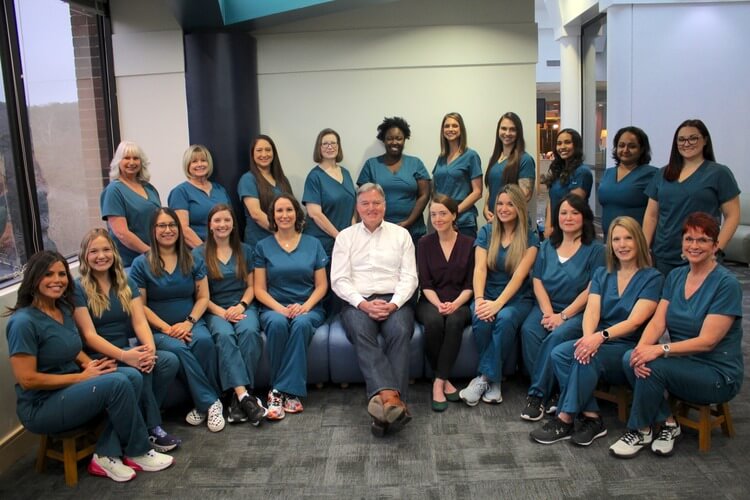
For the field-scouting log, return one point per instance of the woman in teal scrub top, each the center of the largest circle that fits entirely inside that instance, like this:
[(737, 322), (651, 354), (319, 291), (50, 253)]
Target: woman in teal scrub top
[(622, 189), (290, 282), (567, 173), (128, 201), (458, 172), (692, 181), (404, 178), (329, 191), (108, 312), (232, 318), (509, 163), (259, 186), (194, 198)]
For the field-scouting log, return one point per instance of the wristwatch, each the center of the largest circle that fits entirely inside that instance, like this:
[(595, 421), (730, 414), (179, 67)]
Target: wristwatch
[(191, 319), (605, 335), (666, 349), (563, 316), (244, 304)]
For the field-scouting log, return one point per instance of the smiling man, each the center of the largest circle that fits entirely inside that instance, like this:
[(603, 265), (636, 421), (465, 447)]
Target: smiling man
[(373, 270)]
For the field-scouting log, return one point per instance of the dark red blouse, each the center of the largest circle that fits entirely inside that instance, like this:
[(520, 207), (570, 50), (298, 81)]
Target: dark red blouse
[(446, 279)]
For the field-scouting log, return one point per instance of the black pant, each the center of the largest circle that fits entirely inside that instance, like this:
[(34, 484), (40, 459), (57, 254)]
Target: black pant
[(442, 335)]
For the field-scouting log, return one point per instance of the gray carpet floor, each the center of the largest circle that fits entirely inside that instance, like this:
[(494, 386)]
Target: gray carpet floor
[(483, 452)]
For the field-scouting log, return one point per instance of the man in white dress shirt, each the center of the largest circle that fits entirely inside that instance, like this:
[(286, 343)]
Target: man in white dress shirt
[(374, 271)]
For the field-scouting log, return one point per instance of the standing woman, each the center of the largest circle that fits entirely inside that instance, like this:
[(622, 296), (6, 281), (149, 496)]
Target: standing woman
[(567, 173), (194, 198), (231, 316), (509, 163), (60, 388), (691, 182), (458, 172), (404, 178), (622, 189), (108, 311), (128, 201), (258, 187), (561, 276), (504, 254), (329, 191), (622, 298), (175, 292), (445, 260), (290, 281)]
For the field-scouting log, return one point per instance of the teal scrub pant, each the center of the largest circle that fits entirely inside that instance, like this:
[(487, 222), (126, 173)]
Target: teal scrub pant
[(495, 339), (684, 377), (239, 347), (116, 394), (287, 341)]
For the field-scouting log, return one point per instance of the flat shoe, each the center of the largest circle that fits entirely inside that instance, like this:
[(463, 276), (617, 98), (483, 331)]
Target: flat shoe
[(439, 406), (453, 397)]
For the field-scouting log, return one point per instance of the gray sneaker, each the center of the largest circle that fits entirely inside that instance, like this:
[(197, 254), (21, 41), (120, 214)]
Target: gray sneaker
[(474, 391), (664, 443), (631, 443), (493, 394)]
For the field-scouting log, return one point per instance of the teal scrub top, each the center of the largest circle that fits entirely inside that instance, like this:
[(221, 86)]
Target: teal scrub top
[(498, 280), (290, 276), (564, 281), (54, 345), (188, 197), (247, 187), (336, 199), (720, 293), (401, 189), (454, 179), (169, 296), (704, 191), (626, 196), (118, 200), (582, 178), (645, 284), (115, 325), (526, 170), (228, 291)]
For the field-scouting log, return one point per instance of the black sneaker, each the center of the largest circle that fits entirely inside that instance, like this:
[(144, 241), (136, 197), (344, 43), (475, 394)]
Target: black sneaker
[(552, 431), (534, 409), (253, 409), (588, 430), (552, 404), (236, 414)]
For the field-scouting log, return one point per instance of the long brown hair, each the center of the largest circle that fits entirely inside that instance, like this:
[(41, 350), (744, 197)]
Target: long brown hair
[(520, 239), (512, 164), (184, 257), (33, 272), (212, 262), (445, 148), (265, 189), (98, 301)]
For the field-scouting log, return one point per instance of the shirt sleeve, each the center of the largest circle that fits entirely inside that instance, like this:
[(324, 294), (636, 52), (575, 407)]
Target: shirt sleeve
[(248, 186), (652, 288), (597, 281), (79, 296), (726, 185), (423, 267), (585, 178), (469, 276), (475, 165), (538, 268), (138, 271), (249, 255), (365, 175), (321, 259), (420, 172), (199, 268), (483, 238), (113, 203), (527, 167), (728, 298), (134, 288), (407, 277), (22, 335), (341, 268), (652, 190), (259, 262), (312, 192), (178, 198)]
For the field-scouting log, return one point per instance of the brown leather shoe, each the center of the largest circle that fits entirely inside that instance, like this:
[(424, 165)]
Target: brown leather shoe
[(393, 407), (375, 408)]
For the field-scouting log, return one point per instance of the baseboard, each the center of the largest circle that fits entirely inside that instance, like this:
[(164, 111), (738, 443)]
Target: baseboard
[(15, 446)]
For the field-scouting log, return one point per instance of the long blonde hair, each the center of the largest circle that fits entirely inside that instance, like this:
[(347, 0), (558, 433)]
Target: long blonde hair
[(519, 242), (98, 301)]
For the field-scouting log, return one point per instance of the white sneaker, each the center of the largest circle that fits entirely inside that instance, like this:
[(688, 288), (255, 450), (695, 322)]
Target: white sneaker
[(664, 442), (216, 416), (474, 391), (151, 461), (111, 467), (195, 417), (493, 395), (631, 443)]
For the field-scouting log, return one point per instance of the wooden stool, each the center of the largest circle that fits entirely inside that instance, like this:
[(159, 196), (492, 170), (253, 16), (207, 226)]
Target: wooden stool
[(621, 395), (68, 447), (709, 416)]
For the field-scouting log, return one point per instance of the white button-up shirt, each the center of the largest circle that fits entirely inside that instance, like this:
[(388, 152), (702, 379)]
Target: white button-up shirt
[(365, 263)]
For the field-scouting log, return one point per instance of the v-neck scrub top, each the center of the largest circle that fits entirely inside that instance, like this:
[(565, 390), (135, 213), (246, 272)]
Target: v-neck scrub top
[(115, 325), (228, 291), (188, 197), (247, 187), (497, 280), (119, 200), (336, 200), (526, 170), (626, 196), (454, 179), (581, 178)]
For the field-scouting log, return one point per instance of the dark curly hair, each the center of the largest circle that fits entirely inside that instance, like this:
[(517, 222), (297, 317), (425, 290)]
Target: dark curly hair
[(33, 272), (562, 169), (299, 215), (389, 123)]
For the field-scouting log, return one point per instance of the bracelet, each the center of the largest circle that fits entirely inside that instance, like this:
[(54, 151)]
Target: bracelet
[(477, 298), (122, 355)]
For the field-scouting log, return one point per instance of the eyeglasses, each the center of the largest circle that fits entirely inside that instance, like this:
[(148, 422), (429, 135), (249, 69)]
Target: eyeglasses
[(688, 140), (689, 240), (163, 226), (326, 145)]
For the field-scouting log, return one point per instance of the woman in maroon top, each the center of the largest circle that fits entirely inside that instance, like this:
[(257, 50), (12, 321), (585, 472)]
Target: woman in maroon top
[(445, 260)]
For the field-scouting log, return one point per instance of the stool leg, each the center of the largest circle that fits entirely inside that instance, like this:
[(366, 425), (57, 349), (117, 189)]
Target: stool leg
[(70, 462), (41, 456), (727, 426), (704, 428)]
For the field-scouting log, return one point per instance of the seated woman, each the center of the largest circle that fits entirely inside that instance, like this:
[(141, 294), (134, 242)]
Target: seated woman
[(290, 281), (175, 292), (194, 198), (231, 319), (505, 252), (57, 379), (561, 276), (108, 311), (622, 297), (701, 306), (445, 260)]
